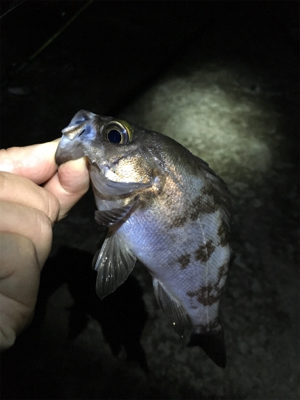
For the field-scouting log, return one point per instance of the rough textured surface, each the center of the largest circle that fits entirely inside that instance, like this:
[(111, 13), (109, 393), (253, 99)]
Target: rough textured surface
[(232, 98)]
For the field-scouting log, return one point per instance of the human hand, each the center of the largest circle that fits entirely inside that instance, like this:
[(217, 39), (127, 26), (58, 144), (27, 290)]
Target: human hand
[(34, 194)]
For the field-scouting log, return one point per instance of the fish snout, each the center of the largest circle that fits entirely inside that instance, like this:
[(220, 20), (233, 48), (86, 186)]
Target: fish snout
[(68, 150), (81, 129)]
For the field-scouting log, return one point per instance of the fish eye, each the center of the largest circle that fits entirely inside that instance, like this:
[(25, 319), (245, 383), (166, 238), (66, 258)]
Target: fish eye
[(118, 132), (114, 136)]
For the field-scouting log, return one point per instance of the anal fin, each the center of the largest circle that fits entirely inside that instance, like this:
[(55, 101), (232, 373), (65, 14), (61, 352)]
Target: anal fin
[(172, 307)]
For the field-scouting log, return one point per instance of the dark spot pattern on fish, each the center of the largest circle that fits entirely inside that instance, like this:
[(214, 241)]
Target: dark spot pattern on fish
[(207, 190), (223, 235), (178, 222), (209, 206), (196, 208), (184, 260), (204, 251), (202, 204), (205, 295), (211, 293)]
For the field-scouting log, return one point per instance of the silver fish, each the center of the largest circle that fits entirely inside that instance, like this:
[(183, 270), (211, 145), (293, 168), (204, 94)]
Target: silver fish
[(165, 207)]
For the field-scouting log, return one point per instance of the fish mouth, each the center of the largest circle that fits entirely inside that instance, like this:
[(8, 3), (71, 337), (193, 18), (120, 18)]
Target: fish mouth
[(68, 150), (108, 173), (81, 128)]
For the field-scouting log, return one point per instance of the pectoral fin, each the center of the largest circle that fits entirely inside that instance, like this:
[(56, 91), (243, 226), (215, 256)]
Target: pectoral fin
[(110, 217), (172, 307), (114, 262), (112, 188)]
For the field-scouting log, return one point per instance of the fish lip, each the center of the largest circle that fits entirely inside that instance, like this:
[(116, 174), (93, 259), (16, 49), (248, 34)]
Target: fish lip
[(103, 169), (81, 129), (63, 155), (68, 149), (108, 173), (87, 129), (81, 117)]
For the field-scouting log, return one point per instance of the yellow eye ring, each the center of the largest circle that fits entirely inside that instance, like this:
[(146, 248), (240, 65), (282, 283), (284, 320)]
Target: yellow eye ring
[(118, 132)]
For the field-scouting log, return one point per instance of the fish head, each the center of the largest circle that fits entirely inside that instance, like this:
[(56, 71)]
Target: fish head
[(113, 148)]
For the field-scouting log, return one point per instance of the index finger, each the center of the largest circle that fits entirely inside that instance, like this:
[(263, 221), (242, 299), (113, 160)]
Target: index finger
[(34, 162)]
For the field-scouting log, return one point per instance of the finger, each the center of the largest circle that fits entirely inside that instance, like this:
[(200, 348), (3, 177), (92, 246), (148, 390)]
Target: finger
[(69, 184), (29, 222), (14, 188), (34, 162), (19, 282)]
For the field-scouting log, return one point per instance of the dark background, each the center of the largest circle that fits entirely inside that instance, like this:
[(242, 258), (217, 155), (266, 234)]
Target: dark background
[(105, 60)]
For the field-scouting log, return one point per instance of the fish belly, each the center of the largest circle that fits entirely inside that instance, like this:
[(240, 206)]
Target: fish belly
[(189, 261)]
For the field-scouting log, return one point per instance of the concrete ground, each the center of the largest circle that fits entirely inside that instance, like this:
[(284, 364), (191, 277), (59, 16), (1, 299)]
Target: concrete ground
[(222, 78)]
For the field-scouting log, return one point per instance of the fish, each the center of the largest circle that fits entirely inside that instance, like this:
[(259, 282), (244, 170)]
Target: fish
[(165, 207)]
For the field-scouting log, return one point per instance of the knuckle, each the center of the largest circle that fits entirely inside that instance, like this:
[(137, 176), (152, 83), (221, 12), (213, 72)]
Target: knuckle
[(44, 225), (26, 248), (52, 207)]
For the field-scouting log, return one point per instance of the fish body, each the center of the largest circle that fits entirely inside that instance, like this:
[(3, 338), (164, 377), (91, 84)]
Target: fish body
[(163, 206)]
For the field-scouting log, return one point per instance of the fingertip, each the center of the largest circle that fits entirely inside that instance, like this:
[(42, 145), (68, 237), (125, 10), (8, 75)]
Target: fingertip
[(56, 141), (69, 184), (79, 165), (74, 176)]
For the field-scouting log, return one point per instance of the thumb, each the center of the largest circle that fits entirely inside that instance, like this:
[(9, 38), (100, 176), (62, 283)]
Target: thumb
[(69, 184)]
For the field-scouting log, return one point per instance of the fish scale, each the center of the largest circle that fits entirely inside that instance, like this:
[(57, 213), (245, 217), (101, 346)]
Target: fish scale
[(179, 282), (165, 207)]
